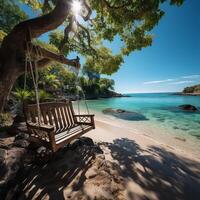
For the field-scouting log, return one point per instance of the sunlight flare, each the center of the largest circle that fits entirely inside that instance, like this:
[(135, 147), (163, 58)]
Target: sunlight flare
[(76, 7)]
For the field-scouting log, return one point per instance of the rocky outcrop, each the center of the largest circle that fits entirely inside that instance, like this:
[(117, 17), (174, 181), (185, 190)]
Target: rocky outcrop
[(125, 114), (11, 160), (115, 94), (188, 107), (17, 128), (17, 160), (80, 171), (110, 94), (193, 90), (190, 91)]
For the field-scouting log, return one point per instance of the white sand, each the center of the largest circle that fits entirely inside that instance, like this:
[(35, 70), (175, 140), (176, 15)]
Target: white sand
[(134, 166), (108, 130), (152, 169)]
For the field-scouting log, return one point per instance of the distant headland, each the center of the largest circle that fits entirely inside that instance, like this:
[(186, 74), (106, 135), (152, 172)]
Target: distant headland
[(190, 91)]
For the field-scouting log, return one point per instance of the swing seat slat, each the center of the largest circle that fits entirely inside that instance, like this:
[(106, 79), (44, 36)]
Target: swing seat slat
[(59, 124)]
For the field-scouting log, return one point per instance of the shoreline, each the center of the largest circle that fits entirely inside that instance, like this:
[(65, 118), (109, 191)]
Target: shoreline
[(108, 130), (115, 162), (186, 94), (111, 95)]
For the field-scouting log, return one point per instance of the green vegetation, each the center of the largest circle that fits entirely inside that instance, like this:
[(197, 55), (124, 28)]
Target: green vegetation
[(58, 81), (130, 21), (21, 94), (100, 22), (193, 89), (10, 15), (97, 87), (2, 35), (5, 120)]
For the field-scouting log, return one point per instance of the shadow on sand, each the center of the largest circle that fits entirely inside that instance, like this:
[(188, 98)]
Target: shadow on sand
[(48, 181), (154, 170)]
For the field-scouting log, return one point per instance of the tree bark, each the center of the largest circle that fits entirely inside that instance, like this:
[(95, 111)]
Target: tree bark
[(8, 75), (12, 51), (52, 56)]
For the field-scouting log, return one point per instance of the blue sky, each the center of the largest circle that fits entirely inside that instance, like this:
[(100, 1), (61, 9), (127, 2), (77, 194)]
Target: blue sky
[(173, 60)]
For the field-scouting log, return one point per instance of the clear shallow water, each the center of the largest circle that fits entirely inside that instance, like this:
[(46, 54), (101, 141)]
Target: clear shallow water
[(161, 111)]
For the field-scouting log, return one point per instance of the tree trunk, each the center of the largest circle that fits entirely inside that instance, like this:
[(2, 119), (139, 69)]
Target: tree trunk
[(8, 75), (12, 51)]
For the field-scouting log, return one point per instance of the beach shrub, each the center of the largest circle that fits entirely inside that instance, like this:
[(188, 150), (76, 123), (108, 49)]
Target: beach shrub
[(21, 95), (43, 96), (2, 35)]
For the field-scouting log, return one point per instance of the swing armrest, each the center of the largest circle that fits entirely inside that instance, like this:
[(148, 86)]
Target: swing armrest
[(85, 119), (42, 127), (85, 115)]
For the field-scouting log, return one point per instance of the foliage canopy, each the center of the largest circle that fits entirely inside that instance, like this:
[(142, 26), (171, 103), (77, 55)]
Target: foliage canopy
[(99, 20), (131, 21), (10, 15)]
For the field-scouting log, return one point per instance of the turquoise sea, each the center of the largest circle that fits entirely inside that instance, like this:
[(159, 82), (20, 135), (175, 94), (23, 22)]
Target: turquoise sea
[(161, 111)]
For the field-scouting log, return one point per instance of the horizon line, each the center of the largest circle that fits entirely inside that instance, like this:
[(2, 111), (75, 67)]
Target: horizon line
[(147, 92)]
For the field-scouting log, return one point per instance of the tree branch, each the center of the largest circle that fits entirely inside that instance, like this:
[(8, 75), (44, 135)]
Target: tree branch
[(43, 56), (89, 11), (42, 24), (115, 7), (43, 62), (87, 32), (46, 6), (67, 30), (88, 37), (59, 58)]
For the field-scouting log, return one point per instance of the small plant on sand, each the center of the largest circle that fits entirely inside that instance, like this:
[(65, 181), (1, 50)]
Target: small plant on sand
[(20, 95), (43, 96), (5, 120)]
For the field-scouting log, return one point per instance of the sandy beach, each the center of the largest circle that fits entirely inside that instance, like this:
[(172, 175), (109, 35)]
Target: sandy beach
[(99, 100), (132, 166), (109, 130)]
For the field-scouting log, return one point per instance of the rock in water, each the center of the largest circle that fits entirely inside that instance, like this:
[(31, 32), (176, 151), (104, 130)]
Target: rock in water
[(124, 114), (188, 107)]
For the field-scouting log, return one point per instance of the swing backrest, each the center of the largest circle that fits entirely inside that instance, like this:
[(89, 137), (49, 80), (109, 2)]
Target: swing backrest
[(58, 114)]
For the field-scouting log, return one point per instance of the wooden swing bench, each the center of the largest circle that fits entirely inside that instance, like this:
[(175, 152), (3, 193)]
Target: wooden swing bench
[(58, 126)]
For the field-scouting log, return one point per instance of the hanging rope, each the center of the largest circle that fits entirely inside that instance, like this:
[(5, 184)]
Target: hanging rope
[(25, 73), (35, 76), (34, 73), (80, 89)]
